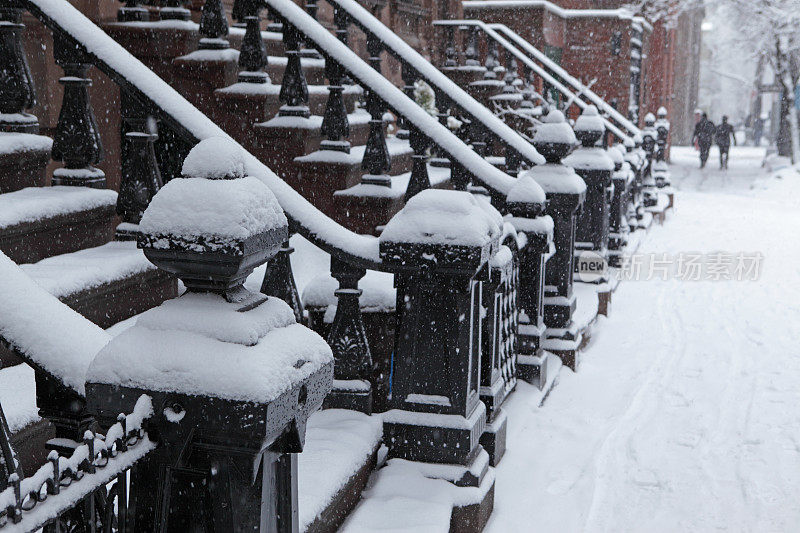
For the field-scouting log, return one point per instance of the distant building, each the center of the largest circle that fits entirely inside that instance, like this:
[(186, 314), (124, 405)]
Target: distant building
[(638, 66)]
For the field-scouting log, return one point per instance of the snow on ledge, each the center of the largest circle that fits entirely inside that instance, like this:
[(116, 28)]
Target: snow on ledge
[(24, 142), (171, 349), (338, 443), (444, 217), (45, 330), (37, 203)]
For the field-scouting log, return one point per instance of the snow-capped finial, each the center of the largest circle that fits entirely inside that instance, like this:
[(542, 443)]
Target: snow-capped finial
[(662, 111), (554, 117), (215, 158), (649, 119), (526, 191), (554, 138), (589, 127)]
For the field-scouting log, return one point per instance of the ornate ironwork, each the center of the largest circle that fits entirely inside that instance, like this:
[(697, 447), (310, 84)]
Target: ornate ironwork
[(450, 52), (279, 281), (335, 125), (253, 54), (471, 51), (419, 180), (409, 76), (89, 506), (347, 337), (492, 60), (213, 26), (16, 84), (294, 89), (377, 161), (77, 139), (141, 179)]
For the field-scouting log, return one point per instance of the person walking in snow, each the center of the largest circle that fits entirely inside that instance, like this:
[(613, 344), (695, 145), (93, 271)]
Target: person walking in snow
[(724, 135), (704, 134)]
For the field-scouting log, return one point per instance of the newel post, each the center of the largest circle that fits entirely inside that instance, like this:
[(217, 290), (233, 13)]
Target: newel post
[(618, 229), (228, 433), (565, 192), (595, 167), (526, 203), (16, 84), (436, 415)]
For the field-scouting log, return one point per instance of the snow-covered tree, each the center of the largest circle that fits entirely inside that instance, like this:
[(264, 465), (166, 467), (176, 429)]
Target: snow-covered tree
[(767, 29)]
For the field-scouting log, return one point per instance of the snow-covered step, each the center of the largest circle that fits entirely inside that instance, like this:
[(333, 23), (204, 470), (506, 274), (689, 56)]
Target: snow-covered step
[(324, 171), (365, 208), (106, 284), (23, 158), (40, 222), (337, 460)]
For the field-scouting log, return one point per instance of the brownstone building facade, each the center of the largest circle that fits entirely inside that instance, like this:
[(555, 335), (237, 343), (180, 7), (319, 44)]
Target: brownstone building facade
[(633, 64)]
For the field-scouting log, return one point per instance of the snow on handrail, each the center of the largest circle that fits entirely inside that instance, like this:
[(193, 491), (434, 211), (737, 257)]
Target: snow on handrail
[(132, 75), (566, 13), (487, 28), (574, 82), (397, 47), (44, 331), (493, 178)]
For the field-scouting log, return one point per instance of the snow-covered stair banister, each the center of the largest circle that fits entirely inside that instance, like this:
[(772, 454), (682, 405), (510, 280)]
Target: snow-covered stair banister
[(50, 336), (397, 47), (191, 125), (482, 171), (563, 74), (233, 375), (489, 30)]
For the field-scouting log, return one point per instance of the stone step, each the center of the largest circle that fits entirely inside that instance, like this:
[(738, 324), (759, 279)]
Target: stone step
[(278, 141), (41, 222), (241, 105), (23, 160), (365, 208), (106, 284), (327, 171), (199, 74)]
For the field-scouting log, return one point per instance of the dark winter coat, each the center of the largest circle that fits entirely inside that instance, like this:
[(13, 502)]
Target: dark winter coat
[(704, 132), (724, 134)]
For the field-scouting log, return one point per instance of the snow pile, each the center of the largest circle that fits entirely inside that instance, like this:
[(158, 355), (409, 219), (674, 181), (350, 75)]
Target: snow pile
[(215, 158), (405, 496), (202, 345), (540, 225), (589, 120), (527, 191), (443, 217), (24, 142), (616, 155), (338, 443), (202, 313), (204, 205), (36, 203), (554, 178), (554, 129), (44, 330)]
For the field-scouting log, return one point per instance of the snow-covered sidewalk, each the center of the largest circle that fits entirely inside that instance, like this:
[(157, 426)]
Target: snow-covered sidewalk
[(684, 414)]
